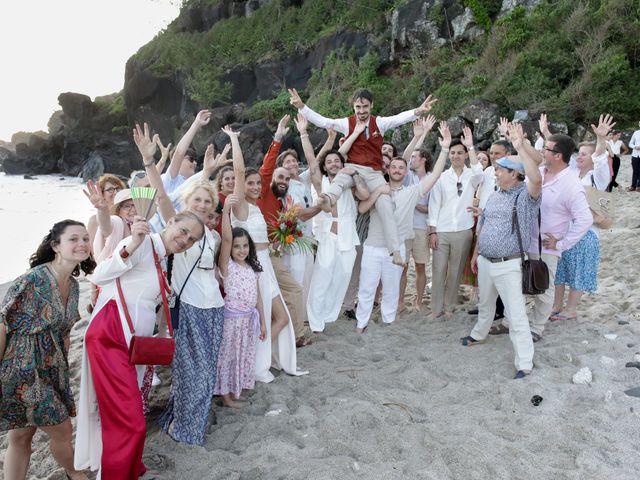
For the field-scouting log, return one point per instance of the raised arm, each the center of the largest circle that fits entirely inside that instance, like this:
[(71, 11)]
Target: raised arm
[(240, 208), (387, 123), (467, 141), (534, 179), (227, 237), (314, 171), (147, 148), (421, 128), (329, 143), (202, 119), (103, 216), (341, 124), (428, 181)]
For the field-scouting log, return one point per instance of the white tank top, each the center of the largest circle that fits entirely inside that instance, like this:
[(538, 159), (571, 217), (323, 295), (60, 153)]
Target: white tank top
[(254, 224)]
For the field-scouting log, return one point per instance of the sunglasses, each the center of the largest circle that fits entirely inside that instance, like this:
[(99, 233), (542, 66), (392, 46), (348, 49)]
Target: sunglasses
[(111, 190), (459, 187), (551, 150)]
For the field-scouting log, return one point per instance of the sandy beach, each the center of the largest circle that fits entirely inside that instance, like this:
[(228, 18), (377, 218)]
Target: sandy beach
[(407, 401)]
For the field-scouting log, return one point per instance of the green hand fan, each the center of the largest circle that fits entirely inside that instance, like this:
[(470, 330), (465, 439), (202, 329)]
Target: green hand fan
[(144, 200)]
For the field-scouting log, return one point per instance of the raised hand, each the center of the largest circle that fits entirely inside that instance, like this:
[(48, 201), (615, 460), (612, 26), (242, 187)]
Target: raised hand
[(331, 134), (146, 145), (467, 138), (95, 195), (230, 201), (164, 151), (516, 135), (210, 160), (418, 127), (544, 125), (428, 122), (426, 106), (503, 127), (605, 125), (282, 129), (225, 153), (202, 118), (229, 131), (445, 141), (301, 123), (294, 98)]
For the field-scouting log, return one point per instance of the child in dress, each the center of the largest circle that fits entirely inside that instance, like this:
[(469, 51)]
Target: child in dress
[(243, 316)]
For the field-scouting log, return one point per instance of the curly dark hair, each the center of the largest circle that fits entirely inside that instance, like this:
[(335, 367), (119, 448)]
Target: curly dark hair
[(45, 252), (323, 159), (252, 258)]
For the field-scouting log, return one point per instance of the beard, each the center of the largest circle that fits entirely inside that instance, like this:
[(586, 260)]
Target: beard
[(279, 193)]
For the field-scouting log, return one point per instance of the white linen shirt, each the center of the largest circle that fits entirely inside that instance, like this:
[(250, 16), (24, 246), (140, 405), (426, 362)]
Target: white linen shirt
[(448, 211)]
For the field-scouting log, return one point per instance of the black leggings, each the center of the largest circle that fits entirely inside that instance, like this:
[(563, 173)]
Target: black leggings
[(635, 179), (616, 167)]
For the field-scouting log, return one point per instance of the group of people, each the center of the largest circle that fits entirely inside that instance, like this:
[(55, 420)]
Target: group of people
[(241, 302)]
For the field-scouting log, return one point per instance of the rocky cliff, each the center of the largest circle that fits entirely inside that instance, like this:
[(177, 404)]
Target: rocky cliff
[(482, 58)]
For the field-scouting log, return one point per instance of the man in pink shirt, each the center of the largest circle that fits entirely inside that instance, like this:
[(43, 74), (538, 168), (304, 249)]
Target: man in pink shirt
[(565, 219)]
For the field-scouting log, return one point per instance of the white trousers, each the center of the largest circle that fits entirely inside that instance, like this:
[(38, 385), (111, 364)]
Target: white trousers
[(504, 279), (377, 265), (329, 282), (300, 265), (544, 303)]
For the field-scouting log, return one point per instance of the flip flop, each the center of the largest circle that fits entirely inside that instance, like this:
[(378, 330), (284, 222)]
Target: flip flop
[(303, 342), (498, 330), (536, 337), (470, 341), (560, 316), (554, 313)]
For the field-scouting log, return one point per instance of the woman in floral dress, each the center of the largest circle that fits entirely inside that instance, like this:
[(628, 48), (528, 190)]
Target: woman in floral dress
[(36, 317)]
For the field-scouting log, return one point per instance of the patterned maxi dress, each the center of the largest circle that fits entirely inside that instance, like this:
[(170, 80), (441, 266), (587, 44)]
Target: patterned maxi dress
[(237, 357), (34, 373)]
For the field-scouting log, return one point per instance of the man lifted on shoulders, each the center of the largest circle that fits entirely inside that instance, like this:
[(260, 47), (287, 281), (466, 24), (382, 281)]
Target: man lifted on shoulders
[(365, 157)]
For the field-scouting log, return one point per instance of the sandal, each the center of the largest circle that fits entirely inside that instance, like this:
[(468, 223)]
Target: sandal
[(499, 329), (536, 337), (559, 316), (470, 341)]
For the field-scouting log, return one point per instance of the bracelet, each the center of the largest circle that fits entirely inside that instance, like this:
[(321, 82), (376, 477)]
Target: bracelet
[(152, 162), (471, 148), (433, 233), (304, 135), (354, 174), (445, 150)]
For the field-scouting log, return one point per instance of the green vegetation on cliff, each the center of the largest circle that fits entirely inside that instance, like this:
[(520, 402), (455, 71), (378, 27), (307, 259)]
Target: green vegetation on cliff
[(571, 58)]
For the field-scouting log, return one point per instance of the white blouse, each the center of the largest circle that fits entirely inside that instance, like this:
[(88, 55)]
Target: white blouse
[(254, 224)]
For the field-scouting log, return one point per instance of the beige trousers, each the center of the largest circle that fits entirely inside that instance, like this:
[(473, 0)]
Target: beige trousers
[(292, 294), (447, 266)]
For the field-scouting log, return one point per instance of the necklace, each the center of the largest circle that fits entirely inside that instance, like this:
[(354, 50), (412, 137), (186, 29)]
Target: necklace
[(58, 276)]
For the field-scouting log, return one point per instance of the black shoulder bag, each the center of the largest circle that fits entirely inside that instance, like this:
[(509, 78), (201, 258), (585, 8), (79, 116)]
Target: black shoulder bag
[(174, 300), (535, 273)]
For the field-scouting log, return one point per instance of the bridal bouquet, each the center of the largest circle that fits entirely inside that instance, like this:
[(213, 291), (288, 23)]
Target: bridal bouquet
[(286, 235)]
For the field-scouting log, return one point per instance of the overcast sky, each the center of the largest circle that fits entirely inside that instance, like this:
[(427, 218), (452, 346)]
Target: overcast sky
[(52, 46)]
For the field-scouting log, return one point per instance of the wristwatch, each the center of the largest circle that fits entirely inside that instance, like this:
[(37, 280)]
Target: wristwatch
[(355, 173), (124, 253)]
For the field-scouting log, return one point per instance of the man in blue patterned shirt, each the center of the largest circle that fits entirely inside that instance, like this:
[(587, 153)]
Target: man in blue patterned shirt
[(496, 256)]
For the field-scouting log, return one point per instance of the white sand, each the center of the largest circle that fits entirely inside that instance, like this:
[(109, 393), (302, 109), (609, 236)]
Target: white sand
[(406, 401)]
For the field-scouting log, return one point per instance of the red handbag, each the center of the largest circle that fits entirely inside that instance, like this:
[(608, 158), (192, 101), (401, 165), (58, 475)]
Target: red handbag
[(150, 350)]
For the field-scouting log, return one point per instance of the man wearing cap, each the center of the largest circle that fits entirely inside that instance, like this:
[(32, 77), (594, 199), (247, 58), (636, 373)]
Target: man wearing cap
[(496, 256)]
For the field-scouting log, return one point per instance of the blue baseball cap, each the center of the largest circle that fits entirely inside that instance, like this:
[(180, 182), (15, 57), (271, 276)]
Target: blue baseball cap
[(506, 162)]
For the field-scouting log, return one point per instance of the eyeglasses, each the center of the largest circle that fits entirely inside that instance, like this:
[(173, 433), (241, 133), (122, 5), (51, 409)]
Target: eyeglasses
[(127, 206), (111, 190), (459, 187), (551, 150)]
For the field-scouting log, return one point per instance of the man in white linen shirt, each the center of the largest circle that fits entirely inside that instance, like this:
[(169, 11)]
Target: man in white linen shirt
[(376, 263), (365, 156), (450, 224)]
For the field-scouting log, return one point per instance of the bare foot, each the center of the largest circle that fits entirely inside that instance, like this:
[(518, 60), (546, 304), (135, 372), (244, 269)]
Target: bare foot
[(360, 330), (76, 475), (401, 308), (227, 401), (417, 305), (397, 259)]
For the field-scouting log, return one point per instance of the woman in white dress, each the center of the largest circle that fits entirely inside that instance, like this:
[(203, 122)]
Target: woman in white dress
[(280, 348)]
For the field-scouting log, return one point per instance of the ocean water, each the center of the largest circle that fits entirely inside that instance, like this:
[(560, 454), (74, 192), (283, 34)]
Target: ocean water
[(28, 209)]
